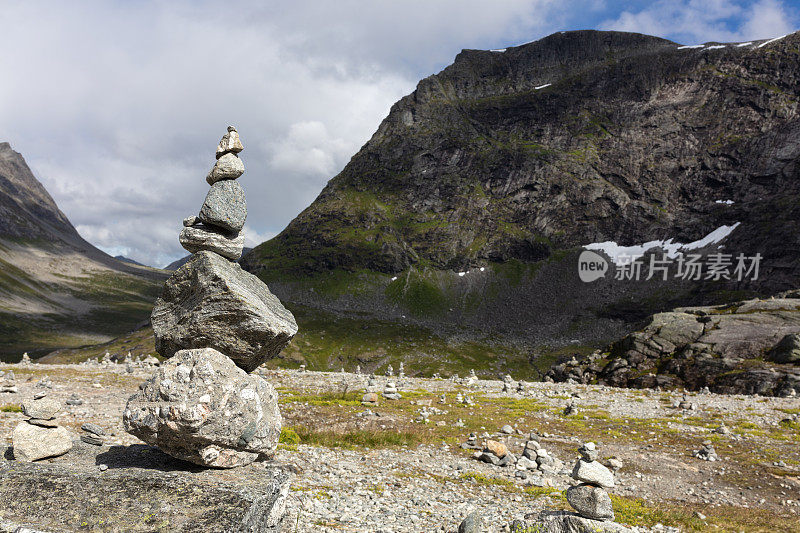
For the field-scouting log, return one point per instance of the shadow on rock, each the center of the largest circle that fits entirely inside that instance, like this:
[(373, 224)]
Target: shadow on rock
[(143, 456)]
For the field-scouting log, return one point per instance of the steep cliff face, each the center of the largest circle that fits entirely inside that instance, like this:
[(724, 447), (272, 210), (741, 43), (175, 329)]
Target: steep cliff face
[(56, 289), (577, 138)]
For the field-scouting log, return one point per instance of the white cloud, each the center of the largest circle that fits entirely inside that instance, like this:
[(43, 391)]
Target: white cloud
[(700, 21), (118, 106)]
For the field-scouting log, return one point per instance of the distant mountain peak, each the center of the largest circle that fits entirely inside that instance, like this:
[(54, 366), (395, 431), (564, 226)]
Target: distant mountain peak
[(27, 210)]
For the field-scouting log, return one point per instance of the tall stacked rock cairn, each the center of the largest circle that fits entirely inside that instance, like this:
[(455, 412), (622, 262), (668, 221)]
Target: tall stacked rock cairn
[(216, 324), (588, 497)]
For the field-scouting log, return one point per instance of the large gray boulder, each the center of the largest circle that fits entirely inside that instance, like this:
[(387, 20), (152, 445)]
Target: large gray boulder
[(200, 407), (198, 238), (142, 491), (225, 206), (212, 303), (32, 442)]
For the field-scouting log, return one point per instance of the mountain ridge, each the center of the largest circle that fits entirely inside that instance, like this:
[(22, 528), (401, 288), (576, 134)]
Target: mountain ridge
[(56, 289), (511, 162)]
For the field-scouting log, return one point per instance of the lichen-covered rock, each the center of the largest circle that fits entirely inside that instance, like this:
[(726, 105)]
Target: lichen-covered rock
[(198, 238), (225, 206), (787, 350), (32, 442), (200, 407), (143, 490), (212, 303)]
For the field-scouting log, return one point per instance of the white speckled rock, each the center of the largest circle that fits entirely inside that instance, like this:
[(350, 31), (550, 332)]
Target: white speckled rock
[(200, 407)]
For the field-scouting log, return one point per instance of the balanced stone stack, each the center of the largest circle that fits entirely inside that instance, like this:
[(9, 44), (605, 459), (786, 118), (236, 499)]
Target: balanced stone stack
[(40, 436), (589, 498), (216, 324)]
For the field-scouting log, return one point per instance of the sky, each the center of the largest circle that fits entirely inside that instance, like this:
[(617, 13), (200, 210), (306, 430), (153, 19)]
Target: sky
[(118, 106)]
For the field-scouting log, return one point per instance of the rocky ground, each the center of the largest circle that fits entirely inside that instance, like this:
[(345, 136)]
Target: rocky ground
[(382, 468)]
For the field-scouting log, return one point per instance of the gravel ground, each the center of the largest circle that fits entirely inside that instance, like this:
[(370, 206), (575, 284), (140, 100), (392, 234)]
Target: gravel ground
[(432, 485)]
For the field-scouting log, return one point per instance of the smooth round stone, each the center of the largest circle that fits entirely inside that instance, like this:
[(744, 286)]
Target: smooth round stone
[(591, 502), (227, 167)]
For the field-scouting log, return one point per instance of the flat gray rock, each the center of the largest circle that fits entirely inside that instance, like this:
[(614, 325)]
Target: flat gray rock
[(590, 502), (198, 238), (212, 303), (202, 408), (142, 490), (32, 442), (593, 472), (565, 522), (43, 408), (227, 167), (225, 206)]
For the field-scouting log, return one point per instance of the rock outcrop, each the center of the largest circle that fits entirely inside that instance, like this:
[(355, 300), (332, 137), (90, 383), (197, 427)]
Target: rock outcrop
[(748, 347)]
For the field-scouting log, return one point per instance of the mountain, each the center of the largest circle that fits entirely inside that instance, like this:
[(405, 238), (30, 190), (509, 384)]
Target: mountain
[(127, 260), (468, 208), (56, 289)]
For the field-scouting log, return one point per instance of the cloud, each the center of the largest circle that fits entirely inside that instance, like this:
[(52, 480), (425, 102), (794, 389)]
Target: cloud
[(700, 21), (118, 106)]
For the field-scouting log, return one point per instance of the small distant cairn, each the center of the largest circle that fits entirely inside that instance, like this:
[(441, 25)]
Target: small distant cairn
[(216, 324), (40, 436), (389, 371), (9, 383), (390, 391), (508, 383), (588, 497), (26, 359), (401, 373), (707, 452)]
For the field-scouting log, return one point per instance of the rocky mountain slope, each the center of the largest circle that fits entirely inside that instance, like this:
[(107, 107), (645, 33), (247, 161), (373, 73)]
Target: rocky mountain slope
[(56, 289), (468, 208)]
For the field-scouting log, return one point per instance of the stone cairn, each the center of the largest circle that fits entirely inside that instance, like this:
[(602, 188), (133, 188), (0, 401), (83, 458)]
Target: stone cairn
[(40, 436), (588, 497), (215, 323)]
